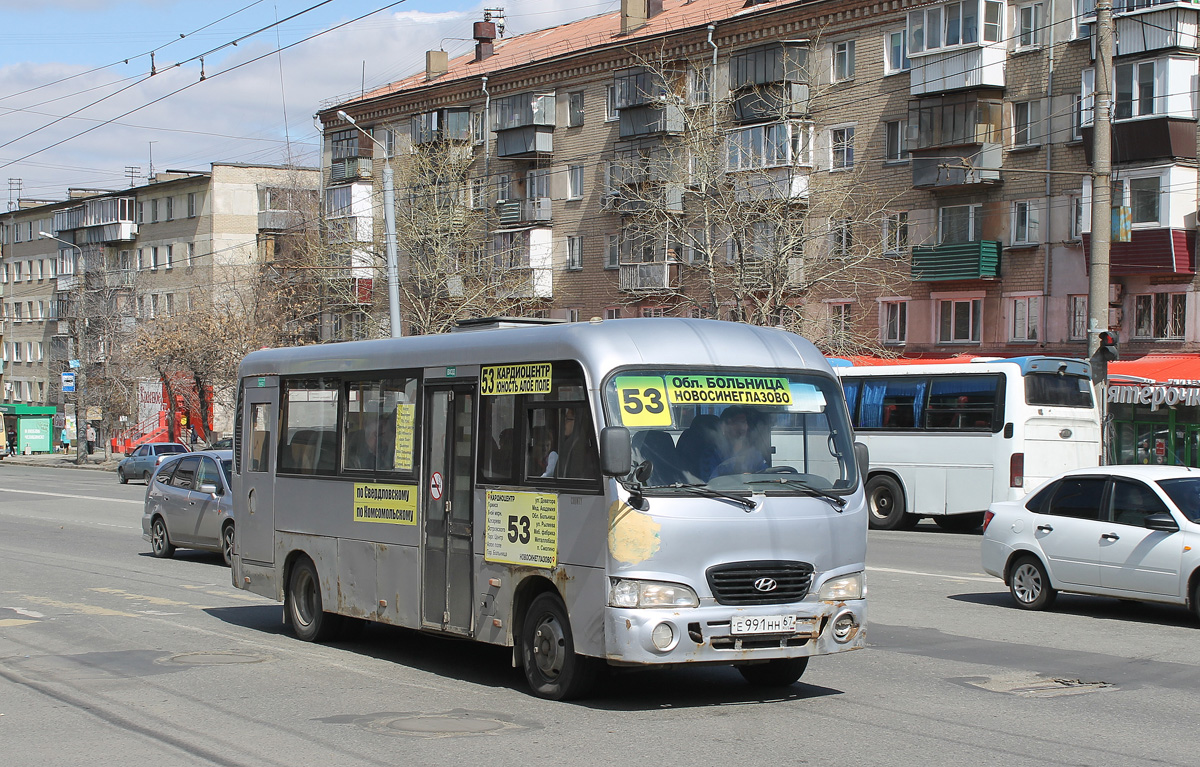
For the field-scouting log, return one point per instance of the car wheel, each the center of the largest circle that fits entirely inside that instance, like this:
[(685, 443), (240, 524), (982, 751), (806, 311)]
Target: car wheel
[(160, 541), (227, 544), (124, 480), (1029, 584), (774, 673), (146, 477), (552, 667), (885, 502), (959, 523), (303, 606)]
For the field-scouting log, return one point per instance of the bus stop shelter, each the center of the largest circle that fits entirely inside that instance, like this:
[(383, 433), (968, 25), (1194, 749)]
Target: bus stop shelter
[(34, 426)]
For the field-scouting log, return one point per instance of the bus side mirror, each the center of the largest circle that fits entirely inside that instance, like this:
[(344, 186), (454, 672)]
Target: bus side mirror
[(862, 457), (616, 451)]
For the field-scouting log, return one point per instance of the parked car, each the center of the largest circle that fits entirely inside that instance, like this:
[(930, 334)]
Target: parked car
[(1131, 532), (140, 464), (224, 443), (189, 504)]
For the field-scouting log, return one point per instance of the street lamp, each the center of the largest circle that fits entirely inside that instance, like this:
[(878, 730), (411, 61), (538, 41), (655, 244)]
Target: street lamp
[(77, 331), (389, 222)]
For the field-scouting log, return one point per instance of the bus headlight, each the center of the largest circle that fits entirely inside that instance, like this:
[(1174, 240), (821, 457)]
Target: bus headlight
[(631, 593), (842, 588)]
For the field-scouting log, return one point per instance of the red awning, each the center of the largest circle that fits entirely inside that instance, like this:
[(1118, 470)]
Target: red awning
[(1158, 367)]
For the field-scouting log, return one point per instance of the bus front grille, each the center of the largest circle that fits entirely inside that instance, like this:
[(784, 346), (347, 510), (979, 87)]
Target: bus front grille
[(760, 583)]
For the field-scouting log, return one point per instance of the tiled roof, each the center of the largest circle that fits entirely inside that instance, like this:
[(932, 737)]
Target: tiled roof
[(574, 37)]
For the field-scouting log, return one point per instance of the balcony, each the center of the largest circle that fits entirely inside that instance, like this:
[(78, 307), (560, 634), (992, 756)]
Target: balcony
[(771, 184), (957, 168), (66, 282), (649, 276), (1151, 252), (636, 122), (279, 220), (524, 125), (1147, 139), (956, 261), (664, 198), (958, 69), (526, 142), (782, 62), (348, 168), (774, 101), (441, 125), (522, 211)]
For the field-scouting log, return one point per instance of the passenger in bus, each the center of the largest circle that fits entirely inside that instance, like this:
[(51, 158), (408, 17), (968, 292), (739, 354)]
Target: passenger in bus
[(579, 459), (743, 455), (362, 448), (659, 449), (701, 447), (542, 455)]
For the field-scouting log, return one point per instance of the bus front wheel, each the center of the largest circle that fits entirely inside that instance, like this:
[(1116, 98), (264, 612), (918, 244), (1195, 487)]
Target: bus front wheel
[(774, 673), (552, 667), (304, 608), (885, 501)]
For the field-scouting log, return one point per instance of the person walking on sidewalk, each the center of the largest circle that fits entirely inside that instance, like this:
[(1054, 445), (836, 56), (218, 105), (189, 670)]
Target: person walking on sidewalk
[(12, 441), (65, 438), (91, 439)]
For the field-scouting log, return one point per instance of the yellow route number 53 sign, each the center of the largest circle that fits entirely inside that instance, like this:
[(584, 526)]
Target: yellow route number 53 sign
[(643, 401)]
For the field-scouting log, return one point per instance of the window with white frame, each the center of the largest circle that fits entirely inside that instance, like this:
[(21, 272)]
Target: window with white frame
[(612, 254), (841, 237), (1025, 318), (1077, 317), (840, 321), (959, 320), (612, 313), (1085, 12), (575, 182), (153, 305), (1075, 208), (841, 148), (895, 233), (895, 321), (954, 24), (16, 351), (893, 141), (769, 146), (1134, 86), (574, 252), (154, 258), (1145, 195), (699, 84), (610, 103), (191, 205), (1159, 315), (574, 109), (169, 257), (1027, 117), (959, 223), (696, 250), (478, 131), (191, 254), (41, 351), (1026, 229), (654, 311), (17, 311), (1031, 23), (170, 300), (572, 315), (18, 268), (843, 60), (170, 209), (41, 269), (537, 183), (504, 187), (895, 57), (41, 310), (1077, 118), (478, 190)]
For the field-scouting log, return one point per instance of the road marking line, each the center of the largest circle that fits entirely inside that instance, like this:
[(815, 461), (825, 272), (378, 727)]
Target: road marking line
[(67, 495), (6, 622), (946, 576)]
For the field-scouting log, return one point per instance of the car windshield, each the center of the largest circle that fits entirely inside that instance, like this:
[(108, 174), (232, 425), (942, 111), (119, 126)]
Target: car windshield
[(1185, 492), (735, 431)]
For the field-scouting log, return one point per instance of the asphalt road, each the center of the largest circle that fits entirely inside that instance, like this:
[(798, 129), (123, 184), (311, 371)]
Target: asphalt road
[(109, 656)]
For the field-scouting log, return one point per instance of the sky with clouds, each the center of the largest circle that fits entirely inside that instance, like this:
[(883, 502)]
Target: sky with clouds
[(78, 102)]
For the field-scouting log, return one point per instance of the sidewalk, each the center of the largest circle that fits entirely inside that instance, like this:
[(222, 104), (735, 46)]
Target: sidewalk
[(65, 461)]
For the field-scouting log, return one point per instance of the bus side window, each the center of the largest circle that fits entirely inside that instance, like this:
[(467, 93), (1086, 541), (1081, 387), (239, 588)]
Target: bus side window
[(965, 403), (497, 423), (309, 426), (259, 437), (892, 403)]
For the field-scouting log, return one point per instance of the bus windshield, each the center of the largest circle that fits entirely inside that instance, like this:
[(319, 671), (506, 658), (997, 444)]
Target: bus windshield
[(767, 433), (1052, 389)]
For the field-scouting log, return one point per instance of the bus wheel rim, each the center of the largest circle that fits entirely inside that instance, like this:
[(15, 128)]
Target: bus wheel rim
[(306, 594), (549, 647)]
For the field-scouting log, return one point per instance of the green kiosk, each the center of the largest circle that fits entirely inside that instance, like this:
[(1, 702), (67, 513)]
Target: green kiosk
[(34, 426)]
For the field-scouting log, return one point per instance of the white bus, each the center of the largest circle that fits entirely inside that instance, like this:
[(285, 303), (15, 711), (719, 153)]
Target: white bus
[(627, 492), (946, 440)]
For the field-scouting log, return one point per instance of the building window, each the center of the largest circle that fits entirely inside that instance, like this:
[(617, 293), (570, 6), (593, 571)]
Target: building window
[(843, 60), (574, 252), (953, 24), (840, 323), (1085, 13), (170, 209), (1025, 316), (1078, 320), (893, 141), (896, 53), (478, 131), (574, 109), (154, 258), (1144, 195), (653, 311), (169, 254), (1134, 86), (959, 320), (772, 145), (841, 147), (572, 315), (958, 223), (191, 205), (537, 184), (895, 234), (1159, 315), (1030, 23), (612, 313), (1075, 202), (191, 254), (841, 237), (170, 297), (895, 322), (1027, 117), (699, 84), (1026, 229), (504, 187), (575, 182), (612, 258), (478, 193), (610, 103)]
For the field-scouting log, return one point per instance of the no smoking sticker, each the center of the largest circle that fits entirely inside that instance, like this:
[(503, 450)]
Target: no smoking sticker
[(435, 485)]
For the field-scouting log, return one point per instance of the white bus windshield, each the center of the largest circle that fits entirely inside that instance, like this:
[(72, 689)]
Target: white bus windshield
[(735, 431)]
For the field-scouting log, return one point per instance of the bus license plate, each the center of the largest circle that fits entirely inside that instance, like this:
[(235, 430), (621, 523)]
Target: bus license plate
[(763, 624)]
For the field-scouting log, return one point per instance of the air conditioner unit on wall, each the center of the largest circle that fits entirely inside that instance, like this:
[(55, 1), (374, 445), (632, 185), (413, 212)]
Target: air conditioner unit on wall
[(1115, 318), (1115, 291)]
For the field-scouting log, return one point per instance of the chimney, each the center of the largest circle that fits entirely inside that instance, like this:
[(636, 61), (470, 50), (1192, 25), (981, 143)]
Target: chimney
[(437, 63), (485, 33), (653, 8), (633, 15)]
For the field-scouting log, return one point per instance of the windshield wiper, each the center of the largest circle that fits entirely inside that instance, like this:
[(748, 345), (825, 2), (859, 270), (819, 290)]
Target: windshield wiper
[(800, 484), (704, 490)]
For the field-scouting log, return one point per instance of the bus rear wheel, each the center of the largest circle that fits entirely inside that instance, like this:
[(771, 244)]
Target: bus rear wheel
[(303, 607), (774, 673), (959, 523), (885, 503), (552, 667)]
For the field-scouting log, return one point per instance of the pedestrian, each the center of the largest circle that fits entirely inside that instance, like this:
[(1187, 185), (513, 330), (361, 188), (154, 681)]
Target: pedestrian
[(12, 441), (91, 439), (65, 439)]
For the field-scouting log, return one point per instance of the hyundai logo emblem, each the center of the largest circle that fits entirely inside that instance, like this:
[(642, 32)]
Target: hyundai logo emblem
[(766, 584)]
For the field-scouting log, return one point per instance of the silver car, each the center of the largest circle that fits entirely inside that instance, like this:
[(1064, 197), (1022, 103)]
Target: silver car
[(141, 463), (1131, 532), (189, 504)]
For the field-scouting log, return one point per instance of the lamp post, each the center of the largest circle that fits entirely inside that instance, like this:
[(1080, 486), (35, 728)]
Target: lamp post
[(389, 222), (77, 333)]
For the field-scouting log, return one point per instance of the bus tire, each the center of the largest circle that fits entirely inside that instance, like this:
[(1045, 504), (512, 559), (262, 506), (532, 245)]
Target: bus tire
[(304, 610), (1029, 584), (160, 540), (959, 523), (552, 667), (782, 672), (885, 504)]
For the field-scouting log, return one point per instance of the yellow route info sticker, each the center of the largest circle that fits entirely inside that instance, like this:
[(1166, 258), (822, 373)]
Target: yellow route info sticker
[(728, 390), (523, 378), (406, 416), (643, 401), (391, 504), (522, 528)]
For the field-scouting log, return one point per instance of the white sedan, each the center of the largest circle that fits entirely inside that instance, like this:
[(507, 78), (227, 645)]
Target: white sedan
[(1131, 532)]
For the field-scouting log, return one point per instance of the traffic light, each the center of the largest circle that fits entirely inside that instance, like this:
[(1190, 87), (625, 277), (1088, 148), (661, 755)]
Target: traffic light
[(1108, 345)]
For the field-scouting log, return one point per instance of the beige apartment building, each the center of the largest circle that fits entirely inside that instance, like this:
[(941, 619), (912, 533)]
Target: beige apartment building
[(968, 121)]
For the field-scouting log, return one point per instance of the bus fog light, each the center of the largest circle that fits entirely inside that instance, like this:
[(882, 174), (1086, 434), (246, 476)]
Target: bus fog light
[(844, 627), (842, 588), (663, 636)]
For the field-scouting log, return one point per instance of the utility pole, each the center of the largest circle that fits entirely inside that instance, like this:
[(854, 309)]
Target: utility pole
[(1101, 239), (78, 337), (389, 223)]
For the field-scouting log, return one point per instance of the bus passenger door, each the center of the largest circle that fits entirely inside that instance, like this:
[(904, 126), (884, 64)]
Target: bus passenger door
[(446, 549), (255, 496)]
